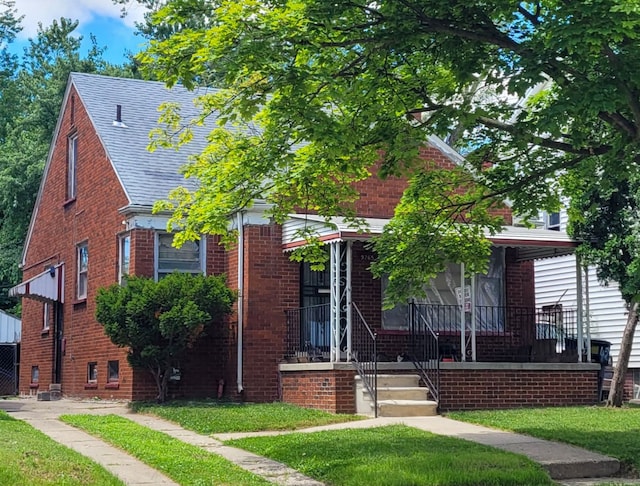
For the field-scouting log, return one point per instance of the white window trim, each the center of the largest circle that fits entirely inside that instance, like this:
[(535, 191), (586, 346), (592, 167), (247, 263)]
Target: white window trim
[(80, 273), (156, 254), (72, 166), (121, 272), (46, 310)]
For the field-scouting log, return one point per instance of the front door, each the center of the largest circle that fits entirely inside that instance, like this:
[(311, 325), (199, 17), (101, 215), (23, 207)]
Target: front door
[(316, 317)]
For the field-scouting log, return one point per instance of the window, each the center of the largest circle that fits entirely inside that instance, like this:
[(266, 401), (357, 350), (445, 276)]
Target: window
[(35, 374), (552, 221), (124, 257), (82, 268), (443, 295), (92, 372), (46, 316), (113, 371), (187, 258), (636, 384), (72, 162)]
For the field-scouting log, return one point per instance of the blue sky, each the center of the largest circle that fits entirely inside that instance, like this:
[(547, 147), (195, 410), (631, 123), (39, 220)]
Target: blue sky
[(99, 17)]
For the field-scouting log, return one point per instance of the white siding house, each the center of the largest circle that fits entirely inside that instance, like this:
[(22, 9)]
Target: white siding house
[(555, 283)]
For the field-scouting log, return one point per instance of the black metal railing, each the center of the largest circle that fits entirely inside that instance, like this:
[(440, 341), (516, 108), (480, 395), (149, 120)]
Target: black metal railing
[(365, 354), (502, 333), (309, 332), (425, 351)]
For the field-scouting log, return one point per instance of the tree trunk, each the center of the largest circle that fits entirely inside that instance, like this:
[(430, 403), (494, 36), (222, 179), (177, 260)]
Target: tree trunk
[(616, 394)]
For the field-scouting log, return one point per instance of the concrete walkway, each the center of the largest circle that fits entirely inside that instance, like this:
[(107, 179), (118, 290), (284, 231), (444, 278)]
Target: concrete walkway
[(565, 463)]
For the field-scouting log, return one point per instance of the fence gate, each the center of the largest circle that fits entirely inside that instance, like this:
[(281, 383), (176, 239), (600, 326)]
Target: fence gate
[(8, 369)]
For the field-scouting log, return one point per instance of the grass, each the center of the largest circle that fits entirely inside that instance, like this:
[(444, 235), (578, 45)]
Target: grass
[(611, 431), (184, 463), (395, 456), (29, 457), (214, 417)]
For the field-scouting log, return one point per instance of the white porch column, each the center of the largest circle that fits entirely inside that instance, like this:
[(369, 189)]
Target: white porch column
[(348, 296), (334, 258), (587, 318), (580, 310), (473, 318), (463, 324)]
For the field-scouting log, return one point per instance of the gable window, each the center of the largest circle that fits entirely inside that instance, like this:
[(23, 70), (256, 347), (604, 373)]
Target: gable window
[(124, 257), (46, 316), (187, 259), (72, 162), (82, 266)]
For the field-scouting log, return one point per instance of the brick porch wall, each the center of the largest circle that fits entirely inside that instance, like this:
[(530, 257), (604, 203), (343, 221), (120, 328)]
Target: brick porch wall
[(464, 389), (331, 390)]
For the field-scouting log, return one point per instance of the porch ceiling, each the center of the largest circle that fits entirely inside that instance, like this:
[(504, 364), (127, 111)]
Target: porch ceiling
[(530, 243)]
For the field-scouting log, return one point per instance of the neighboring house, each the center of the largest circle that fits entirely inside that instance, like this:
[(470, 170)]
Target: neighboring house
[(297, 335), (555, 284), (10, 333)]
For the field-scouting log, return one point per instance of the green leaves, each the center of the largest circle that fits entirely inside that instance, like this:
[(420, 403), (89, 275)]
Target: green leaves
[(160, 321), (316, 96)]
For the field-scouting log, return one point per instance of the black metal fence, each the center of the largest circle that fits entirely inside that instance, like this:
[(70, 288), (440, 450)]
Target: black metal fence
[(309, 331), (8, 369), (502, 333), (425, 352)]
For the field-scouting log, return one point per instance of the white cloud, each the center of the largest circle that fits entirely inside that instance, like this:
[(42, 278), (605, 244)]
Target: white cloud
[(44, 11)]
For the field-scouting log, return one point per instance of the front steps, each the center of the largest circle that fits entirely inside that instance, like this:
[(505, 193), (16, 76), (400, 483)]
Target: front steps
[(398, 396)]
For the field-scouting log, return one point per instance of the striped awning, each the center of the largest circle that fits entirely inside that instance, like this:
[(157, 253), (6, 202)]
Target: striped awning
[(47, 286)]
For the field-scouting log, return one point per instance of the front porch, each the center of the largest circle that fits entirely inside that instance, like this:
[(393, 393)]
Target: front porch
[(474, 342)]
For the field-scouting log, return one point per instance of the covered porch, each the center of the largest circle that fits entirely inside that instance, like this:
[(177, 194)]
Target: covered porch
[(465, 332)]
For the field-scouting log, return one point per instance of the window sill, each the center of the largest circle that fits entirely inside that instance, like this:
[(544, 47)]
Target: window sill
[(90, 386), (79, 302), (44, 332), (34, 385), (114, 385), (68, 202)]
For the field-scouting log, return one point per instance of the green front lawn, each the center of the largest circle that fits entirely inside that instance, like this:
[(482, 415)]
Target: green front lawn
[(29, 457), (186, 464), (395, 456), (611, 431), (215, 417)]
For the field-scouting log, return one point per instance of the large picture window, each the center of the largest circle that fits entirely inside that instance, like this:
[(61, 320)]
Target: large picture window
[(82, 266), (187, 259), (444, 294)]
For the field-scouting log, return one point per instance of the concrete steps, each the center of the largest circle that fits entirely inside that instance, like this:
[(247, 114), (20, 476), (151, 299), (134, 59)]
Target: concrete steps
[(398, 396)]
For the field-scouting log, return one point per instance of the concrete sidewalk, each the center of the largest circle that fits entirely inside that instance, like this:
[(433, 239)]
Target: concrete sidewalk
[(567, 464)]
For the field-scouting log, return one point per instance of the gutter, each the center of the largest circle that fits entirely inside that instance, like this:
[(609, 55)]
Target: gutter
[(240, 298)]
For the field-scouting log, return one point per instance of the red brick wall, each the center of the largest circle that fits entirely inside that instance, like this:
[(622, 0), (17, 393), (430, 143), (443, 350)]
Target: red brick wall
[(60, 225), (332, 391), (486, 389), (272, 285)]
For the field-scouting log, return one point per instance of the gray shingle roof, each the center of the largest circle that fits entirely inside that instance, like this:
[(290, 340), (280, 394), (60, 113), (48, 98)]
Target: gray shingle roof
[(146, 176)]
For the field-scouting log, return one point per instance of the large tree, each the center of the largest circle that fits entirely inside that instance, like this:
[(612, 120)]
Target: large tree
[(541, 97)]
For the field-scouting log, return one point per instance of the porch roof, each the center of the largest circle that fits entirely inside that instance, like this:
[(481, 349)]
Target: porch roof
[(531, 243)]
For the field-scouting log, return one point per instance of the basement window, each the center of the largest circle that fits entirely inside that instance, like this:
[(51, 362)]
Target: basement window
[(113, 371), (92, 372)]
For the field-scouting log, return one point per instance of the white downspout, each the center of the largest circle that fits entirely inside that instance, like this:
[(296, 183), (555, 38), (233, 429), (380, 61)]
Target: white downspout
[(240, 298)]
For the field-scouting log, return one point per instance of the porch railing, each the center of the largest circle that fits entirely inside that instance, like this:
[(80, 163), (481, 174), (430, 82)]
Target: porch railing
[(309, 332), (503, 333), (309, 339), (425, 352), (365, 354)]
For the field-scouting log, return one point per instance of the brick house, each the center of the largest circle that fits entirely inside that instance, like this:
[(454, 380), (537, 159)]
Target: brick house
[(296, 335)]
